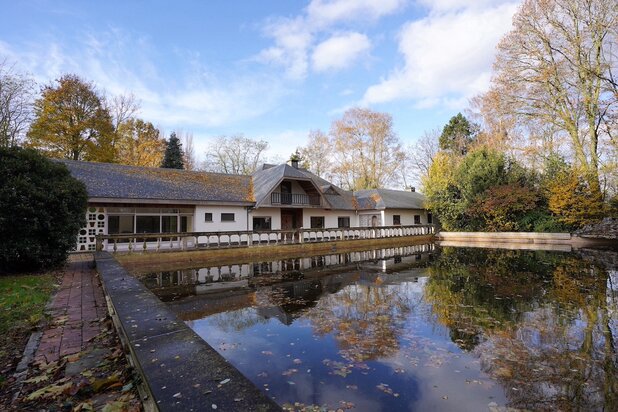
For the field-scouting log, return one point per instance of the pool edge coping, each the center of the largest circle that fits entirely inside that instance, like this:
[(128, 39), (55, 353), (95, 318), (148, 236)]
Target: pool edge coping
[(179, 370)]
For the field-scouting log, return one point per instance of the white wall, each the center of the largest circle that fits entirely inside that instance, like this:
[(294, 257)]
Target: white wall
[(365, 218), (272, 212), (330, 217), (407, 216), (239, 223)]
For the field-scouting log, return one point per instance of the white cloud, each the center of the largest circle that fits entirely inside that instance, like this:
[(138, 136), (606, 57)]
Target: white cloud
[(119, 63), (440, 6), (294, 38), (448, 56), (339, 51), (323, 13)]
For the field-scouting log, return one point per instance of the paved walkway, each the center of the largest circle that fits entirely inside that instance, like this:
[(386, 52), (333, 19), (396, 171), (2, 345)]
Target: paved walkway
[(75, 311)]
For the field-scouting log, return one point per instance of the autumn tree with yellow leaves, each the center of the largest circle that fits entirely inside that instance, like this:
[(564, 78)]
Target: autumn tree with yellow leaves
[(139, 143), (72, 122)]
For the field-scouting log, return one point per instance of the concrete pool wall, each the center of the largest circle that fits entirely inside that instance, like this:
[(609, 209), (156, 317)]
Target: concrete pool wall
[(180, 371)]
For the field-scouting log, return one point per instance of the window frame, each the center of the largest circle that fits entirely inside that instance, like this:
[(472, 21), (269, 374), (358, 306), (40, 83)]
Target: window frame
[(323, 220), (417, 219), (227, 215), (396, 220), (206, 215), (339, 219), (266, 219)]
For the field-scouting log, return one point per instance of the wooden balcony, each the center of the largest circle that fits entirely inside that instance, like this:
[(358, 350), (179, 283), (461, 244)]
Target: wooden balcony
[(295, 199)]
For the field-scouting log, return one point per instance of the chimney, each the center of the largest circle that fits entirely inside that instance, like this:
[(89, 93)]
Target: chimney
[(295, 163)]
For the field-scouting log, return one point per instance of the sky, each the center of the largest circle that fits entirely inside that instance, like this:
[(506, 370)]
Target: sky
[(270, 70)]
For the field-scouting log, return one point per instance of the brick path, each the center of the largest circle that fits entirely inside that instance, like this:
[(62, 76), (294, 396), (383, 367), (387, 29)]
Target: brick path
[(75, 311)]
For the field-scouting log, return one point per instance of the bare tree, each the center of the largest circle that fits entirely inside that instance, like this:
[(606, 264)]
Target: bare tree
[(316, 156), (367, 153), (189, 150), (550, 70), (123, 107), (235, 155), (16, 105), (419, 157)]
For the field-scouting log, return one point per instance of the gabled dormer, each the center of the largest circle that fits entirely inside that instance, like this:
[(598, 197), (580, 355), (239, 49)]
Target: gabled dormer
[(285, 186)]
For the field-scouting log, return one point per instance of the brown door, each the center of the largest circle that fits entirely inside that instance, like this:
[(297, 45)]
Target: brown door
[(291, 219), (287, 221)]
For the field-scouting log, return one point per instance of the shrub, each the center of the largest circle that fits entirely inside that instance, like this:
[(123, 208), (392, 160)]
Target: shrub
[(41, 210)]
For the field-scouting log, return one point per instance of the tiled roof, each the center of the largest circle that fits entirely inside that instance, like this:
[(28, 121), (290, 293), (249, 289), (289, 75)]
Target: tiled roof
[(114, 181), (389, 199), (107, 180)]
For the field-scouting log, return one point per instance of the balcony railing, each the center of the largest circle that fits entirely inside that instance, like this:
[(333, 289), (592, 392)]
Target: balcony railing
[(297, 199), (154, 242)]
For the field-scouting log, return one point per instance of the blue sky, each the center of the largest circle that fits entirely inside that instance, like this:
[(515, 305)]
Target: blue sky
[(270, 70)]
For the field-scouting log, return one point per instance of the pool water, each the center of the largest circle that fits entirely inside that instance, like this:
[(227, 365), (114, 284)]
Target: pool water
[(417, 328)]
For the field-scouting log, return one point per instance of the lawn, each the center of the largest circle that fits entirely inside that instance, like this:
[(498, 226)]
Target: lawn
[(22, 304)]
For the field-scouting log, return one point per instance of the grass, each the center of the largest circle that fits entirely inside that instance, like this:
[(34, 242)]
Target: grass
[(23, 299), (22, 304)]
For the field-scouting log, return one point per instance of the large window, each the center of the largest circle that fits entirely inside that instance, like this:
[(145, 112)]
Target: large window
[(396, 220), (169, 224), (317, 222), (227, 217), (128, 220), (148, 224), (118, 225), (417, 219), (261, 223), (343, 221)]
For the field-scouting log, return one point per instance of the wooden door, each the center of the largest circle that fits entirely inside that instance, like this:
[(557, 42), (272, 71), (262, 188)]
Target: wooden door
[(287, 221)]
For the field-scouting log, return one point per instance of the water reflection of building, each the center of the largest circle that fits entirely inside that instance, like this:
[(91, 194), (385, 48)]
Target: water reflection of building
[(202, 280), (283, 289)]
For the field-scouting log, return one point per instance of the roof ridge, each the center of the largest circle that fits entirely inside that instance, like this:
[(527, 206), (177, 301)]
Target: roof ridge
[(148, 167)]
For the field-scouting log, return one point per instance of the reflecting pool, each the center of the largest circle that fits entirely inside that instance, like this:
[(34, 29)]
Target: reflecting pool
[(413, 328)]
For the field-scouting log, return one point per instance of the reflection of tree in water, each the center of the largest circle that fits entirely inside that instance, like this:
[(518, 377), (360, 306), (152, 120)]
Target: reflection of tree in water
[(471, 299), (548, 335), (364, 319), (237, 320)]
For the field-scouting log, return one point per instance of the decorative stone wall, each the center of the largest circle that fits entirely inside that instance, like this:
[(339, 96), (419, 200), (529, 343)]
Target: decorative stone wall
[(96, 221)]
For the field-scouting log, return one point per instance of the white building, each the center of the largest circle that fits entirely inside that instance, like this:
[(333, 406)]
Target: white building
[(128, 199)]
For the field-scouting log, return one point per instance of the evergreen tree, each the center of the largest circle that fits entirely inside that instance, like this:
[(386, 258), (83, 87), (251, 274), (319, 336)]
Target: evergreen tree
[(458, 134), (173, 158)]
